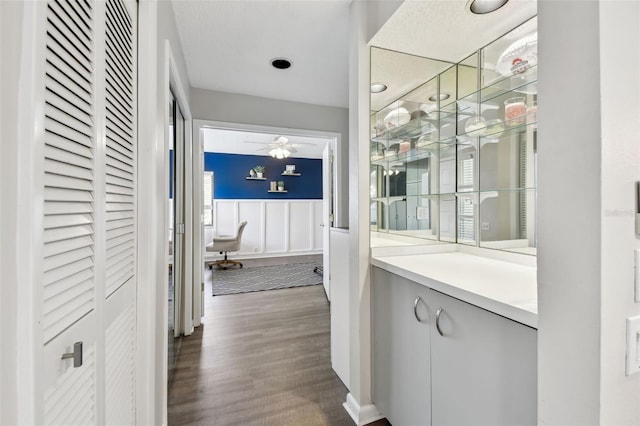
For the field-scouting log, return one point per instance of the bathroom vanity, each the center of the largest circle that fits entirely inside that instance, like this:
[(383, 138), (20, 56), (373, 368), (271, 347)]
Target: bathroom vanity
[(452, 216)]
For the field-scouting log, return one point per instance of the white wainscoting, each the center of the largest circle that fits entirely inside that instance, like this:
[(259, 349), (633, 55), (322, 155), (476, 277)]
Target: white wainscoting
[(274, 227)]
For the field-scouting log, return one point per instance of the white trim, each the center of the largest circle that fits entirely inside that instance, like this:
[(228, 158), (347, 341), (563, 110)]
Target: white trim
[(192, 278), (149, 391), (361, 415)]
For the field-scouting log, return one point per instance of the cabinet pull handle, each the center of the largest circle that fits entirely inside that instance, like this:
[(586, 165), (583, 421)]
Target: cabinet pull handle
[(415, 308), (438, 312)]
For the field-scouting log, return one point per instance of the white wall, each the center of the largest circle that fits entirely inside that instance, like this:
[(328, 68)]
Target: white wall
[(366, 18), (588, 158), (11, 26), (244, 109), (156, 26), (620, 123), (274, 227)]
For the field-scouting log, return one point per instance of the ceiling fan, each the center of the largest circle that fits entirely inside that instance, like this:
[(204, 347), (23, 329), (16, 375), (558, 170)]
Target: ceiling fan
[(280, 147)]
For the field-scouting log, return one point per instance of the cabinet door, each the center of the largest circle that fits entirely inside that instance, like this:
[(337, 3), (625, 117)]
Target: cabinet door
[(401, 368), (484, 367)]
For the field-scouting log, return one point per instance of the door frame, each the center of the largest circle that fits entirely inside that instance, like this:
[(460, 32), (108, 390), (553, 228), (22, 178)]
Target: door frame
[(200, 125)]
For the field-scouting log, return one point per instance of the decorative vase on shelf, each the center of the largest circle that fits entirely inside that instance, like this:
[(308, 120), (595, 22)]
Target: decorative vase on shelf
[(260, 175), (252, 173)]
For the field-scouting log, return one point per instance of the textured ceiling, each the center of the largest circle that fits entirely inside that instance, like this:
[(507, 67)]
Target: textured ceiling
[(228, 46), (445, 30)]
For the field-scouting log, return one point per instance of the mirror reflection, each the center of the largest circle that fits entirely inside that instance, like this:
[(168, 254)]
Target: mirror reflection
[(453, 147)]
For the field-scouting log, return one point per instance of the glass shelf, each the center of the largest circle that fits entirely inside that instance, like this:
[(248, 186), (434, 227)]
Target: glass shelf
[(493, 133)]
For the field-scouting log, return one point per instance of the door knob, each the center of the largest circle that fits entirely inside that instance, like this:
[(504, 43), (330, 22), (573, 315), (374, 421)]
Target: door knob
[(76, 355)]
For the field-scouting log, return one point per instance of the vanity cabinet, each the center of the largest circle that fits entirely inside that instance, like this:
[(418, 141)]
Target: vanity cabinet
[(449, 362), (401, 352)]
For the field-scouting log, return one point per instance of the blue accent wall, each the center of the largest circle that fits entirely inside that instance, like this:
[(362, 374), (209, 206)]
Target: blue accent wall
[(230, 172)]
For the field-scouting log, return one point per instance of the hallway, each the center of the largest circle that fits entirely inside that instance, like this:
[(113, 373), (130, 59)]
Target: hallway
[(259, 358)]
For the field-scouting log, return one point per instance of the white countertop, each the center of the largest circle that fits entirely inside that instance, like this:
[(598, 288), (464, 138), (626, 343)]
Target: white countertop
[(505, 288)]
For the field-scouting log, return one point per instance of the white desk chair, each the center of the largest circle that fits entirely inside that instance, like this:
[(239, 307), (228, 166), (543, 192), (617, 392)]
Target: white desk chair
[(225, 244)]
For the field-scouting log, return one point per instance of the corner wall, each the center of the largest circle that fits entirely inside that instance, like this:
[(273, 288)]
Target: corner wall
[(589, 159)]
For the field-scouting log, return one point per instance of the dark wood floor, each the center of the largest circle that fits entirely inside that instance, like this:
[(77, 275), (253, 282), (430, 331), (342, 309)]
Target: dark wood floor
[(259, 359)]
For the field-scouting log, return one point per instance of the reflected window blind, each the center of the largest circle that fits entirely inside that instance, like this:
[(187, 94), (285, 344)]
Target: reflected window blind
[(466, 172), (523, 184)]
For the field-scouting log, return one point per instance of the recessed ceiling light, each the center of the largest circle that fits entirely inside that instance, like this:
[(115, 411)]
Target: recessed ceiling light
[(281, 63), (440, 97), (480, 7), (378, 87)]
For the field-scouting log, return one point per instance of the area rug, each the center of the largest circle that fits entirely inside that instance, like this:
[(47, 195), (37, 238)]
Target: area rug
[(259, 278)]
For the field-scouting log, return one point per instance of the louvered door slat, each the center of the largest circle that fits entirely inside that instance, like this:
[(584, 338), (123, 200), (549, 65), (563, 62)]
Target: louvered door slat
[(65, 169), (77, 157), (117, 138), (117, 91), (61, 247), (75, 22), (120, 372), (124, 21), (67, 220), (65, 117), (63, 105), (58, 234), (67, 312), (120, 223), (120, 253), (116, 241), (60, 194), (117, 108), (118, 44), (115, 159), (61, 181), (66, 258), (65, 32), (115, 119), (53, 207), (72, 299), (118, 275), (69, 151), (65, 144), (119, 189), (63, 49), (65, 69), (121, 174), (76, 280), (56, 128), (68, 90), (116, 54), (122, 149), (74, 11)]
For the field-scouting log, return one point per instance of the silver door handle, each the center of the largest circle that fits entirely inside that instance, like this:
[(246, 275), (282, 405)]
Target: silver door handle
[(438, 312), (415, 308), (76, 355)]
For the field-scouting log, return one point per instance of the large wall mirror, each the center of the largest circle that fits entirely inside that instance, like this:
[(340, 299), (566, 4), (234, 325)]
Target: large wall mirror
[(453, 146)]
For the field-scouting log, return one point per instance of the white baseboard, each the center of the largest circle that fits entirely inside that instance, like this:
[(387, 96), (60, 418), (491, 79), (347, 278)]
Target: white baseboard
[(210, 256), (361, 415)]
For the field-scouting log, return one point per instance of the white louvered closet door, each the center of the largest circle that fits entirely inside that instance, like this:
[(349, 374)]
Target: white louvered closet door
[(88, 291)]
